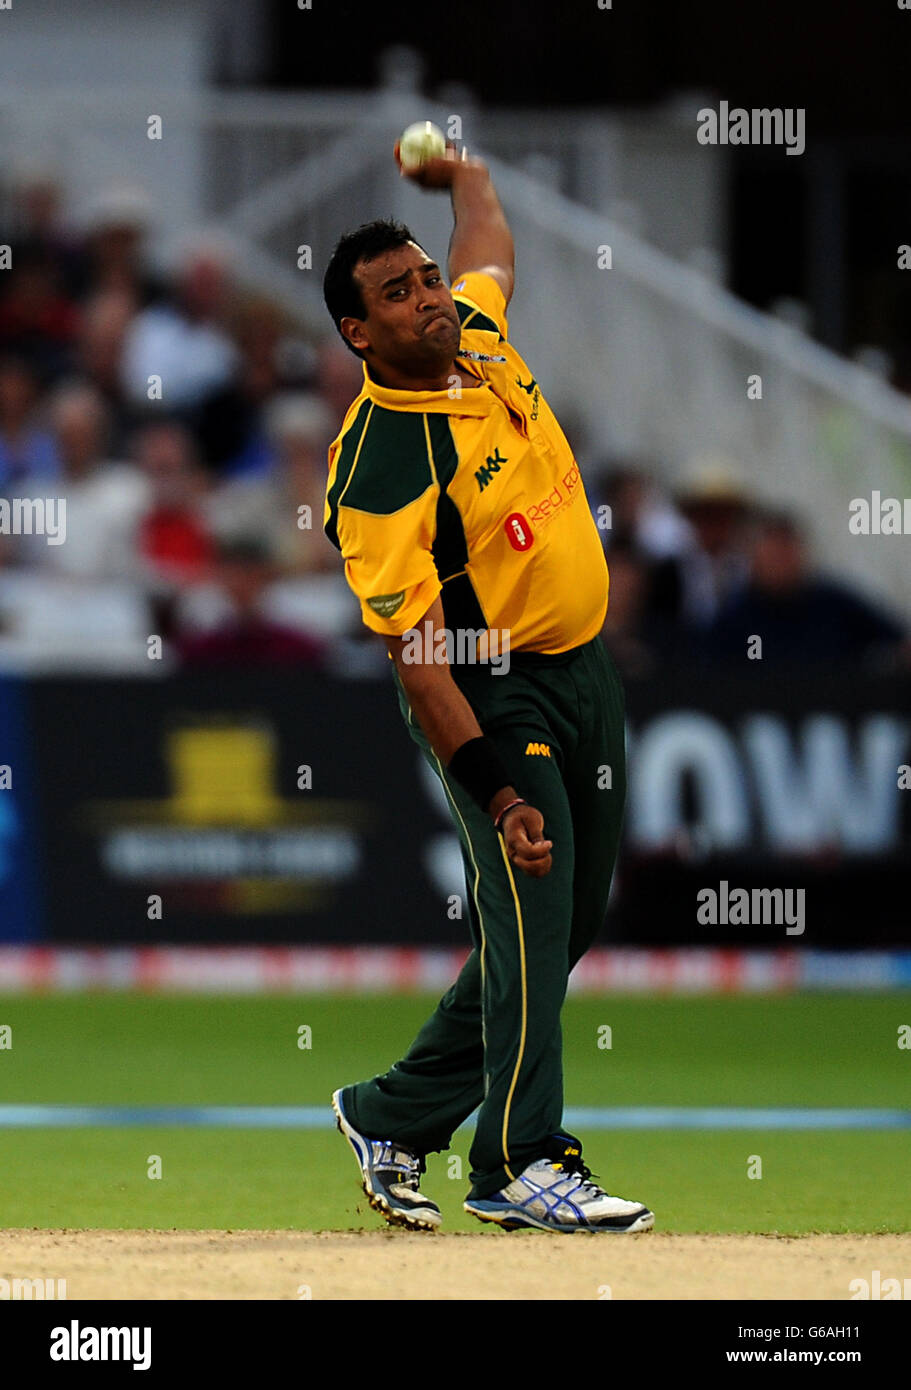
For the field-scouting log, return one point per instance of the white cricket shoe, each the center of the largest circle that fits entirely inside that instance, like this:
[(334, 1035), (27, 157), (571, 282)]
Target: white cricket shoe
[(556, 1193), (391, 1176)]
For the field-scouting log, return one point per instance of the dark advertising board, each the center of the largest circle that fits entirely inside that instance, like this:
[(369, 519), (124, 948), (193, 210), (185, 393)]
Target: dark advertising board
[(21, 907), (275, 808), (767, 783)]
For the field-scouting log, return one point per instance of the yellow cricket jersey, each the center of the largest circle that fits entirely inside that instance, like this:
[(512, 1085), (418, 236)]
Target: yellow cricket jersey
[(478, 499)]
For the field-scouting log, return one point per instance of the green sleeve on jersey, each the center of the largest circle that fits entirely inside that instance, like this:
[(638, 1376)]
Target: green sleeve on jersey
[(382, 465)]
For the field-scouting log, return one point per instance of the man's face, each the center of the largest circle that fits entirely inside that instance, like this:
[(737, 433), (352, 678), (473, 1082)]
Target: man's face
[(779, 560), (411, 321)]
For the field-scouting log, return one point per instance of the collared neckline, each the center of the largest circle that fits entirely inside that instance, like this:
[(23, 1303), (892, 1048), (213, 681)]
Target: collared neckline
[(478, 400)]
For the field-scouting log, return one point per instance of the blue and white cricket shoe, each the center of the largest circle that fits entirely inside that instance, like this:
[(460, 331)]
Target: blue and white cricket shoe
[(391, 1176), (556, 1193)]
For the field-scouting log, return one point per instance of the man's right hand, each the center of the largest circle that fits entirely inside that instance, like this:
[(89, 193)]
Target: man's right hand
[(441, 171), (522, 829)]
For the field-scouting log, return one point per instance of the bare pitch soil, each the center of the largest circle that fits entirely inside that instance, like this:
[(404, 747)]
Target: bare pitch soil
[(488, 1264)]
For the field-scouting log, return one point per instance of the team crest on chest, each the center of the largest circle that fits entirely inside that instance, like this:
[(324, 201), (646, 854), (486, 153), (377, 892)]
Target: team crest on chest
[(531, 390)]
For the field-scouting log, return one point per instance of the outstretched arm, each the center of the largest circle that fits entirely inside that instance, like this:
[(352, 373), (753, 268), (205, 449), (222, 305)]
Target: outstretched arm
[(481, 239)]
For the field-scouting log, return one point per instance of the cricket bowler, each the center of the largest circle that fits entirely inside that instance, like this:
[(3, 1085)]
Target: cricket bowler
[(458, 507)]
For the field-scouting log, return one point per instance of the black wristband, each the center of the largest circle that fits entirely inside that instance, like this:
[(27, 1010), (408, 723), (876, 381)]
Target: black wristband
[(479, 768)]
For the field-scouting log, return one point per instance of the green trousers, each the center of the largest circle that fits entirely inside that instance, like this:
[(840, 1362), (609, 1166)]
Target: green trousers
[(494, 1040)]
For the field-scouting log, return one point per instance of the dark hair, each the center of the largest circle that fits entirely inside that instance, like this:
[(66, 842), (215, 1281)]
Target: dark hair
[(340, 289)]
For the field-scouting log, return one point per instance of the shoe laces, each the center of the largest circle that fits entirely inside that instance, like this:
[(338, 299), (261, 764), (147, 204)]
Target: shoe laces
[(396, 1157), (573, 1165)]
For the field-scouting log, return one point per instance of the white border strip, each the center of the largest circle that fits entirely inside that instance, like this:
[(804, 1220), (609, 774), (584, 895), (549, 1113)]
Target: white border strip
[(322, 1117), (412, 970)]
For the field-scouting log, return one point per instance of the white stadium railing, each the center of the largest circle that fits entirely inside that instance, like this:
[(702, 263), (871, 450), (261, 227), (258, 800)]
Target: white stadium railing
[(649, 359)]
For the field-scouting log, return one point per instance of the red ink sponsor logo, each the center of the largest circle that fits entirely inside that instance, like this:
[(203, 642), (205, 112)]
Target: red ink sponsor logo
[(518, 531), (571, 478), (547, 506)]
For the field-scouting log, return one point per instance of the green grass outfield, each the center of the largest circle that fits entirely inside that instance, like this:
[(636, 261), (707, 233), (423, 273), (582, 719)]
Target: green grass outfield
[(133, 1050)]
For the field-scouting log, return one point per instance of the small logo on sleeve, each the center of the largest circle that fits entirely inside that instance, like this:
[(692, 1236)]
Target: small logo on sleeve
[(542, 750), (387, 604), (531, 389)]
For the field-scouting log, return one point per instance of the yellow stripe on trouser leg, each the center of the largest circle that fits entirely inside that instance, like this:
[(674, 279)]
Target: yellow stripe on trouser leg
[(522, 976), (477, 880), (576, 708)]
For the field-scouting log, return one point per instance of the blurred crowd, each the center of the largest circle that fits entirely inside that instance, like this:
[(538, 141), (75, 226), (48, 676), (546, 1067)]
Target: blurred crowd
[(186, 422), (696, 577)]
